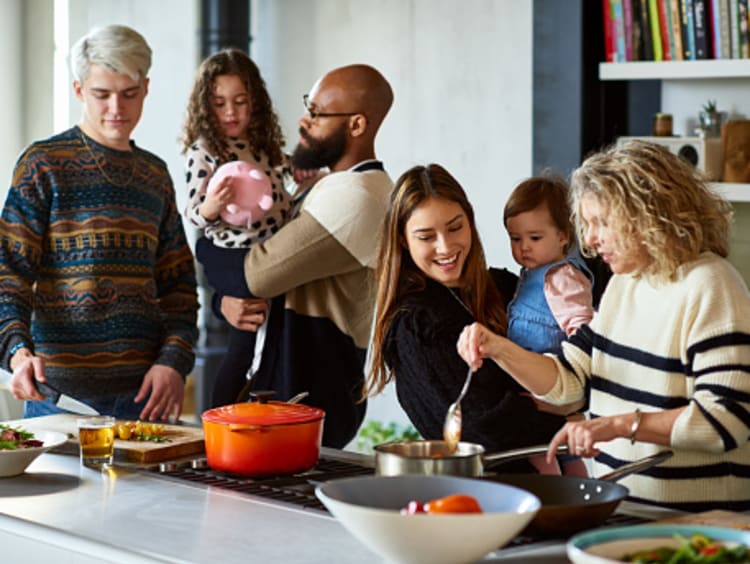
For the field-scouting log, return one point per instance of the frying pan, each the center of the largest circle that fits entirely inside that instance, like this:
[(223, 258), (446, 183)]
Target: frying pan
[(571, 504)]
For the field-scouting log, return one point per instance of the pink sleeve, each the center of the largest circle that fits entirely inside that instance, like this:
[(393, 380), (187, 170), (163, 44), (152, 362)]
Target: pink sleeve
[(568, 293)]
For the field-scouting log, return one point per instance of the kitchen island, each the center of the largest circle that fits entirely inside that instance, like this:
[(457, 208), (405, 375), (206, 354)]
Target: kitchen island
[(61, 512)]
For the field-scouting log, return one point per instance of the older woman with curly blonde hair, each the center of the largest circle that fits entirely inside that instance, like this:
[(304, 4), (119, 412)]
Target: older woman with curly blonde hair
[(666, 360)]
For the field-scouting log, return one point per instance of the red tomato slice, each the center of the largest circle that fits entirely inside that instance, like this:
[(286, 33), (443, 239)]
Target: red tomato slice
[(456, 503)]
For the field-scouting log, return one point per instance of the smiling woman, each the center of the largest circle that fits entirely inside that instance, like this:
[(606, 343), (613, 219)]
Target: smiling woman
[(432, 278)]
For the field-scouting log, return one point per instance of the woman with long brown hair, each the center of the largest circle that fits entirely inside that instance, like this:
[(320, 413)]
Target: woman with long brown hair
[(432, 279)]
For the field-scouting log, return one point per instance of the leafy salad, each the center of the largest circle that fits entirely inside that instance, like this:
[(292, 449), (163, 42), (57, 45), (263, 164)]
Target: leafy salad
[(13, 438), (697, 549)]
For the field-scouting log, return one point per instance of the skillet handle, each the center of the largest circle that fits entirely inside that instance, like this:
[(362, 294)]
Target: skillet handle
[(518, 453), (637, 466)]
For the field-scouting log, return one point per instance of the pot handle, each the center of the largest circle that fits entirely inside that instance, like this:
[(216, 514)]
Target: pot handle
[(637, 466), (518, 453), (244, 427)]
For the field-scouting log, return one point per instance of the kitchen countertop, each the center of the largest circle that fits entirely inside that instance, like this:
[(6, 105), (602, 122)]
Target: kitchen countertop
[(59, 511)]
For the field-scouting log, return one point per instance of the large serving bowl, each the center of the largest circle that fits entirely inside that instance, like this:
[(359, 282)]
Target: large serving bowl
[(369, 508), (15, 462)]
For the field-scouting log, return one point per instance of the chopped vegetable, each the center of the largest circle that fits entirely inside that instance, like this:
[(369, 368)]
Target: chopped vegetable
[(457, 503), (13, 438), (140, 431), (697, 549)]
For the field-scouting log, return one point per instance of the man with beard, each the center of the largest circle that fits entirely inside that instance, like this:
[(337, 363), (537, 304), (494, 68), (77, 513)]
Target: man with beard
[(318, 269)]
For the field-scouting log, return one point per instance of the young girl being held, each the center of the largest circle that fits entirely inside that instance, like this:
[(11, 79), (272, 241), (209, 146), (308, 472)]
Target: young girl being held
[(553, 297), (554, 293), (230, 118)]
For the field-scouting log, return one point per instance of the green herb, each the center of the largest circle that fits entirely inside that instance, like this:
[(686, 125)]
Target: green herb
[(375, 433), (152, 438)]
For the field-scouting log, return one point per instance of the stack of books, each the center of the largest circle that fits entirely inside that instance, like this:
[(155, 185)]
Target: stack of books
[(676, 30)]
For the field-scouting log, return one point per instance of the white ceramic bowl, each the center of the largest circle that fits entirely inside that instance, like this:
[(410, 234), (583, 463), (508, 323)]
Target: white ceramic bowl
[(369, 507), (15, 462), (609, 545)]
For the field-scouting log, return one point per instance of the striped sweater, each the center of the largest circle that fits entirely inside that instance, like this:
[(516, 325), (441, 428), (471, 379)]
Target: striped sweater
[(95, 272), (682, 344)]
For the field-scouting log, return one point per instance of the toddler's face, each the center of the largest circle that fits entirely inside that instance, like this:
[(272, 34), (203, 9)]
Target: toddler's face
[(535, 240), (231, 105)]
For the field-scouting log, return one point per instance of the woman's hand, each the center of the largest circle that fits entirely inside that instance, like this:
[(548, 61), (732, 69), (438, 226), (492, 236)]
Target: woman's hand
[(476, 343), (582, 436), (246, 314)]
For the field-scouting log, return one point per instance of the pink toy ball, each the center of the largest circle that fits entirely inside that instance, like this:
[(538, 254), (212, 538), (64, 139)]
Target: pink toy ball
[(253, 195)]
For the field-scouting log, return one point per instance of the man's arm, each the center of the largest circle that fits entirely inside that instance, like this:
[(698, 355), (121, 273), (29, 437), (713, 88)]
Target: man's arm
[(23, 225), (302, 251), (177, 292)]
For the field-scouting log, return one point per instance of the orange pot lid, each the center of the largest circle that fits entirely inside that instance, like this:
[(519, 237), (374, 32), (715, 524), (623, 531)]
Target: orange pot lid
[(269, 413)]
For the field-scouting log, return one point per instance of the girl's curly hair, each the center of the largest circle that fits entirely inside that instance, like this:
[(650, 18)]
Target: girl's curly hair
[(656, 201), (263, 131)]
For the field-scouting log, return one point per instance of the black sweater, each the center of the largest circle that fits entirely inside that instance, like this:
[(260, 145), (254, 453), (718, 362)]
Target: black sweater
[(420, 347)]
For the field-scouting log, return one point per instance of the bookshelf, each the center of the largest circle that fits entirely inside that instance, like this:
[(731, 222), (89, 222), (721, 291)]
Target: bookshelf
[(732, 191), (675, 70), (685, 86)]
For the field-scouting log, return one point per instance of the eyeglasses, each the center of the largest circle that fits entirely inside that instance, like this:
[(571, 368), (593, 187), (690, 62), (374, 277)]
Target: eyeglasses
[(314, 114)]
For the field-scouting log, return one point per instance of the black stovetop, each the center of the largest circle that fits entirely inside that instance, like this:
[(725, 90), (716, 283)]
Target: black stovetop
[(298, 490)]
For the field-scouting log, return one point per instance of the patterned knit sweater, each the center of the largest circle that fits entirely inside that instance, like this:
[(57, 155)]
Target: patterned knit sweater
[(95, 272), (682, 344)]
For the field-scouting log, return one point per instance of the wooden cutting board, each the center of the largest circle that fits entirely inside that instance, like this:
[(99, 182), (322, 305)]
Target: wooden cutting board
[(184, 440), (716, 518)]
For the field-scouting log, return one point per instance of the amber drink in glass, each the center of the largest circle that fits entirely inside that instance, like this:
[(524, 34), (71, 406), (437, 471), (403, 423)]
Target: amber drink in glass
[(97, 438)]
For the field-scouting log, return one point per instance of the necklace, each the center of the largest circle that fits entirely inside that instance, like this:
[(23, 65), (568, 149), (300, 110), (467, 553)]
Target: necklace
[(101, 169), (459, 300)]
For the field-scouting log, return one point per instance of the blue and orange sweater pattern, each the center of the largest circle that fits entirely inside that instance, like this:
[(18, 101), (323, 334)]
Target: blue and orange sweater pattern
[(95, 271)]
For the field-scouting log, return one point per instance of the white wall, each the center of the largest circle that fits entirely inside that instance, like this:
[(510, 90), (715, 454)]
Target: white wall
[(462, 78), (461, 72), (11, 112)]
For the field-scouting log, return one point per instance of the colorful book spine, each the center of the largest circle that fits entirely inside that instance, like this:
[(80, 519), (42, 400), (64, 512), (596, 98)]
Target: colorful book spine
[(725, 29), (715, 29), (653, 16), (676, 32), (686, 22), (619, 19), (667, 44), (734, 28), (635, 30), (610, 48), (648, 47), (627, 14), (700, 21), (744, 28)]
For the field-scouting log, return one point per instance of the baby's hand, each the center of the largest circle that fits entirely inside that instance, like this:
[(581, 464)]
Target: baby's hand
[(217, 200)]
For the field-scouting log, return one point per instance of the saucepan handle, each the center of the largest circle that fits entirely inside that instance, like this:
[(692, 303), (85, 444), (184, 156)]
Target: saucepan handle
[(520, 453), (637, 466)]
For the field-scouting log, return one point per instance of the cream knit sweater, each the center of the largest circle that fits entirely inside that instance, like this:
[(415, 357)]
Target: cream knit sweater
[(681, 344)]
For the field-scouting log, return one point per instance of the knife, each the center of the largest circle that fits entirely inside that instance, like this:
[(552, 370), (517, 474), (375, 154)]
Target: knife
[(63, 401)]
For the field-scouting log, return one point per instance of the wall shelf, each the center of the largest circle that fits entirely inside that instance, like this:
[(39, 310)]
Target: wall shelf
[(675, 70), (734, 192)]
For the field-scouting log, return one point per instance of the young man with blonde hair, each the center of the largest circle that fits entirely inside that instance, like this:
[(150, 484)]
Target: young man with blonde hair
[(97, 282)]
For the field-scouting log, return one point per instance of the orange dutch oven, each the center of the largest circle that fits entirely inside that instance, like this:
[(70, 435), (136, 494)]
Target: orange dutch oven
[(263, 438)]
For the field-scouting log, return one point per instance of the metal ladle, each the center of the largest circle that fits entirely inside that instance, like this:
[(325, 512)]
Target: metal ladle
[(452, 424)]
